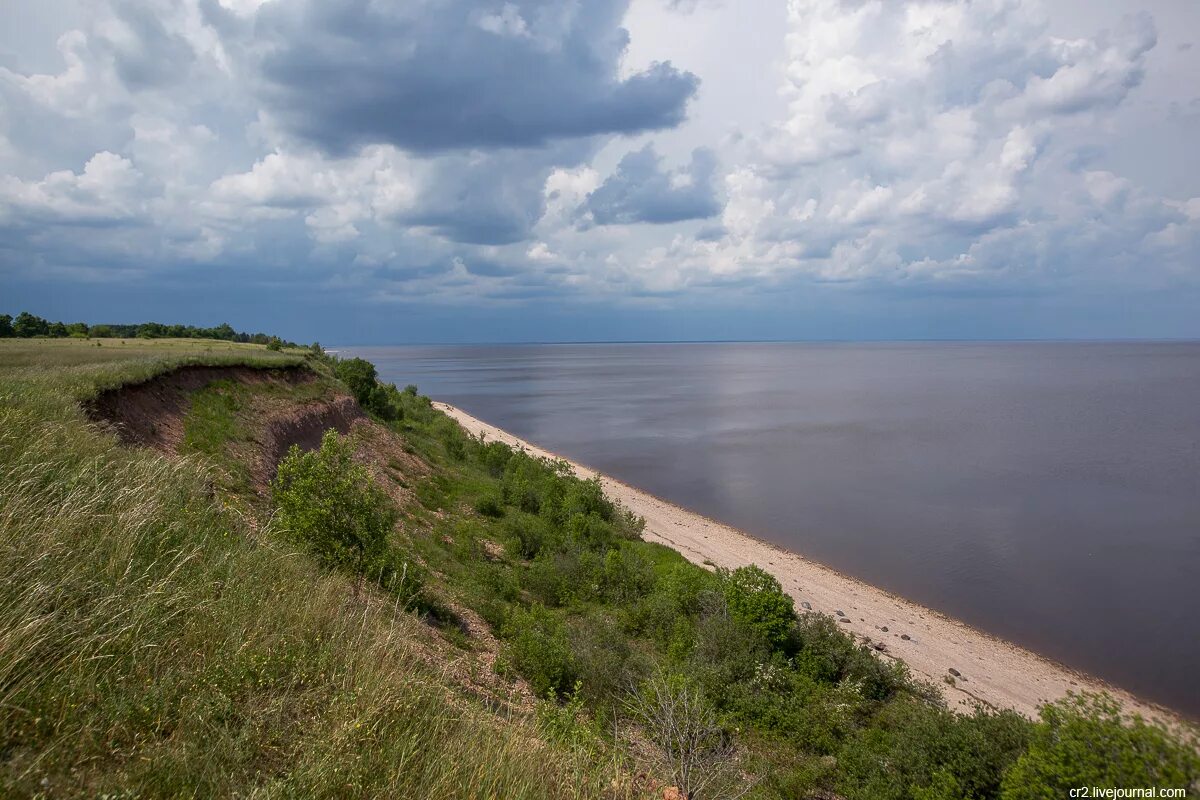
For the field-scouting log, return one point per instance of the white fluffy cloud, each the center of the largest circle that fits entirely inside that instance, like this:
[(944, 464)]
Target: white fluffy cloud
[(513, 148), (940, 140)]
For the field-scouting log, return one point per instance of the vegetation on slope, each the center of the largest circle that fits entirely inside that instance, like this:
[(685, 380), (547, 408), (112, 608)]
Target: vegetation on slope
[(152, 645), (161, 635)]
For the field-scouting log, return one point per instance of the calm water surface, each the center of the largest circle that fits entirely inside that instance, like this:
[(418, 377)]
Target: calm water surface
[(1048, 493)]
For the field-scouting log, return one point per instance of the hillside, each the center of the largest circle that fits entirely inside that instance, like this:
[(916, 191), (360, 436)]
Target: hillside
[(402, 610)]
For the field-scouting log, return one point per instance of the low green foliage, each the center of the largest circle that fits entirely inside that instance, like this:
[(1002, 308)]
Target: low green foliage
[(1083, 740), (211, 421), (327, 502), (360, 378), (756, 599), (539, 651), (914, 749)]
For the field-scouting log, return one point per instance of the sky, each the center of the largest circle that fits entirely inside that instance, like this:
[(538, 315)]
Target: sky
[(364, 171)]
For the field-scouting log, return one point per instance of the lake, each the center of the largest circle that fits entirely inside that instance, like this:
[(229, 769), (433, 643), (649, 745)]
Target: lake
[(1048, 493)]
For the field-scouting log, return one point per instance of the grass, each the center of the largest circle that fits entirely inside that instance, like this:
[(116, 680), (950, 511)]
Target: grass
[(212, 420), (152, 646), (158, 638)]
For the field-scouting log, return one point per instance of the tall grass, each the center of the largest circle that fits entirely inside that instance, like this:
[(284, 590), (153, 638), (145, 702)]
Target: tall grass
[(151, 646)]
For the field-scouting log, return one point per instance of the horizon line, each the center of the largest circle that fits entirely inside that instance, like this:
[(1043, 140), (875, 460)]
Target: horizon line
[(930, 340)]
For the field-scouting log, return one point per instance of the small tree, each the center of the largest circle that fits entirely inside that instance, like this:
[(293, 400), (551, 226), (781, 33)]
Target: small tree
[(327, 501), (695, 750), (6, 328)]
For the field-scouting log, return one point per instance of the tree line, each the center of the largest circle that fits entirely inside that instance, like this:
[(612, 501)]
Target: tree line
[(30, 326)]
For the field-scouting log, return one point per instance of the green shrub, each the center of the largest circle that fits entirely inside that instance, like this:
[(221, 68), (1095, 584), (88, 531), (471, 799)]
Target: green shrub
[(914, 749), (775, 698), (564, 576), (328, 503), (727, 651), (539, 651), (453, 438), (379, 402), (1083, 740), (626, 576), (494, 456), (528, 535), (489, 506), (673, 603), (360, 378), (606, 663), (586, 497), (757, 599)]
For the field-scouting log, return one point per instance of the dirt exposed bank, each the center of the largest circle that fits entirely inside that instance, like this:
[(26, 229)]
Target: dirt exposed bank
[(152, 413)]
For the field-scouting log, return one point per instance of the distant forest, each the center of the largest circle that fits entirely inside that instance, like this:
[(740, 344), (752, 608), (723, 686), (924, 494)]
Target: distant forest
[(29, 326)]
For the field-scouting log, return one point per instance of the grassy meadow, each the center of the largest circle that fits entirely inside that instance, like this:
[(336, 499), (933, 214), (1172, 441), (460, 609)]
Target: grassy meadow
[(153, 645), (412, 612)]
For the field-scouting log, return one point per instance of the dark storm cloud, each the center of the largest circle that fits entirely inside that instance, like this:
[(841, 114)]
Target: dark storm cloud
[(489, 198), (146, 54), (447, 74), (641, 191)]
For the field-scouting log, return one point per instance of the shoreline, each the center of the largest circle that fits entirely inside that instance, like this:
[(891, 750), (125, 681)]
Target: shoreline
[(992, 671)]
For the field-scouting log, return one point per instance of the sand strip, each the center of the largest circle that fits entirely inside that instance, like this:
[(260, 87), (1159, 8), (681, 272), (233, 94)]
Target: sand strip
[(992, 671)]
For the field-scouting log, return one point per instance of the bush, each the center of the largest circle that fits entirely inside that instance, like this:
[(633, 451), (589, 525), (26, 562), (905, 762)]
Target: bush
[(489, 506), (666, 613), (494, 456), (564, 576), (913, 749), (1083, 740), (380, 402), (726, 651), (328, 503), (360, 378), (453, 438), (757, 599), (606, 663), (539, 651), (586, 497), (528, 535), (627, 576)]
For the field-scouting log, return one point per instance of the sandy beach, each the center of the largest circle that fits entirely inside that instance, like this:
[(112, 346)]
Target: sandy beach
[(983, 668)]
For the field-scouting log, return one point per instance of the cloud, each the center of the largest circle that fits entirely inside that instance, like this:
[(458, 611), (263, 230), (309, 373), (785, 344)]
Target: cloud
[(495, 152), (434, 76), (640, 190), (916, 134), (106, 191)]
